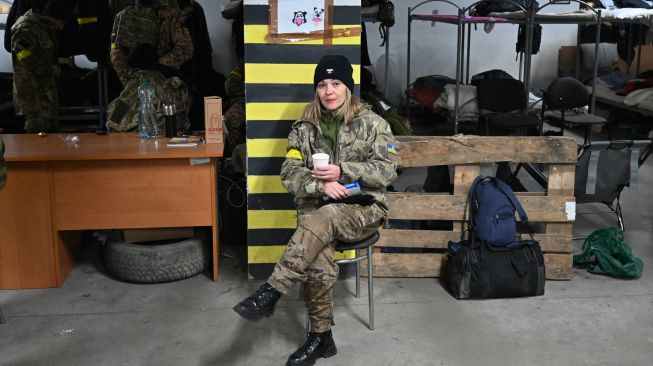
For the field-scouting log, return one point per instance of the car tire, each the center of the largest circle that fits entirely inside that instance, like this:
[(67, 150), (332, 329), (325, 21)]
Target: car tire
[(155, 262)]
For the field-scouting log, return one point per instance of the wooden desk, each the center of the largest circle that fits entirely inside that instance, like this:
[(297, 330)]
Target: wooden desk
[(56, 188)]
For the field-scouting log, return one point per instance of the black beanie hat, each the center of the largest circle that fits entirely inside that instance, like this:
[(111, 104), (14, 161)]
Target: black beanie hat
[(59, 9), (142, 56), (334, 67)]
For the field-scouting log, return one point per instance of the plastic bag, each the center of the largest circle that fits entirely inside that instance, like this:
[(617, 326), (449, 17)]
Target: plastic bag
[(612, 255)]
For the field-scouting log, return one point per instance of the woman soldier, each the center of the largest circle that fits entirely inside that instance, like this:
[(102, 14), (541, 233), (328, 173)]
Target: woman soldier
[(361, 147)]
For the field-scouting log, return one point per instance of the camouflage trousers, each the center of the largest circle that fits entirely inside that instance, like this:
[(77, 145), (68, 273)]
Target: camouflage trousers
[(41, 122), (308, 258)]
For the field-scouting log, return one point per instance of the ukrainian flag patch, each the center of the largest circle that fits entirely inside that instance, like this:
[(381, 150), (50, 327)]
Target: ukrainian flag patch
[(294, 154), (392, 149)]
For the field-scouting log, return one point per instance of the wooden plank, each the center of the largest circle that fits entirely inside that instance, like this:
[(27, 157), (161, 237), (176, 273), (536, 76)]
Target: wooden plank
[(419, 151), (26, 247), (407, 264), (557, 266), (464, 176), (561, 183), (561, 179), (401, 238), (553, 243), (429, 206)]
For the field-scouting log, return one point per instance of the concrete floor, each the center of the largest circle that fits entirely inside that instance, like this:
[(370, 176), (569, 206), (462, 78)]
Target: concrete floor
[(96, 320)]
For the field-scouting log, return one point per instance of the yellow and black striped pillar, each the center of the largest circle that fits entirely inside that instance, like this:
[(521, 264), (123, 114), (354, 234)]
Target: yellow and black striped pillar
[(278, 84)]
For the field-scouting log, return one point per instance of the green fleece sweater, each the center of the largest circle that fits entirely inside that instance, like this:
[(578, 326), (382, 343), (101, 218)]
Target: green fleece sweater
[(330, 124)]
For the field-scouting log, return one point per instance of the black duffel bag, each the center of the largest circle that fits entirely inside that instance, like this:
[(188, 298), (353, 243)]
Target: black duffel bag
[(479, 270)]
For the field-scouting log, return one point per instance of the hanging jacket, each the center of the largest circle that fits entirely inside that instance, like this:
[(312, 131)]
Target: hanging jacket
[(122, 112), (34, 56)]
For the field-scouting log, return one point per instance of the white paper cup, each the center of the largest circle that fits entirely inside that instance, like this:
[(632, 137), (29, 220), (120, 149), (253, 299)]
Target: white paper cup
[(320, 159)]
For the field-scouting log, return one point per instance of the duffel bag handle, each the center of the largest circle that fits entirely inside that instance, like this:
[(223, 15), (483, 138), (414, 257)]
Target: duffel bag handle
[(521, 268)]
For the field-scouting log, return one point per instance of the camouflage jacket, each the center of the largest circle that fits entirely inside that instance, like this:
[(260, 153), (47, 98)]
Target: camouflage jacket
[(363, 152), (175, 45), (115, 6), (34, 56), (123, 111), (3, 165)]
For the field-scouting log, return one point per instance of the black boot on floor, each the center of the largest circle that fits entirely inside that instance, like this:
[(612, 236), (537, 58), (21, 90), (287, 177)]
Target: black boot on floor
[(260, 304), (317, 345)]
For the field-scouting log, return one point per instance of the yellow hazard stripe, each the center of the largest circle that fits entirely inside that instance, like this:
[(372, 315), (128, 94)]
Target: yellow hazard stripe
[(88, 20), (258, 34), (271, 219), (274, 111), (279, 73), (21, 55), (267, 148), (286, 73), (272, 253), (264, 184)]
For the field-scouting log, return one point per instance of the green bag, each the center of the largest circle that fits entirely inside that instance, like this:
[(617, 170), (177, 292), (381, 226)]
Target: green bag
[(612, 255)]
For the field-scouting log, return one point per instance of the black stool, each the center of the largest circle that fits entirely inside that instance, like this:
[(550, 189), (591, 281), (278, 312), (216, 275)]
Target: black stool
[(366, 243)]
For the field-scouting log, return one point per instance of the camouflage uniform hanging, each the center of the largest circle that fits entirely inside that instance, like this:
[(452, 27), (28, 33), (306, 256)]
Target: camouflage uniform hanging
[(123, 111)]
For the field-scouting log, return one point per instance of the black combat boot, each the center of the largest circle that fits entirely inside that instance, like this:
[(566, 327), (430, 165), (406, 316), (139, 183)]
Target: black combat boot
[(317, 345), (260, 304)]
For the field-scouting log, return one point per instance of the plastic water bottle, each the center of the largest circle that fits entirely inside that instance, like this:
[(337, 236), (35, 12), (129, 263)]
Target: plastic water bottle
[(147, 126)]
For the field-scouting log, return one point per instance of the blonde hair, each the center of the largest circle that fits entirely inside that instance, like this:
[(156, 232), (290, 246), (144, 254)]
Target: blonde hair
[(347, 111)]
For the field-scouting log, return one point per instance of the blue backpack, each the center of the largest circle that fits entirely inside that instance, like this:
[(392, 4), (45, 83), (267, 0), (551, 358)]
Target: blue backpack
[(492, 206)]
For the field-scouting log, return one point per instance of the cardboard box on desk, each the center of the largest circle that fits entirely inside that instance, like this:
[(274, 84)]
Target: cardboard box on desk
[(214, 133)]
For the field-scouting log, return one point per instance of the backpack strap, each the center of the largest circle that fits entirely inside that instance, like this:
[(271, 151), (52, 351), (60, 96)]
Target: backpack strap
[(507, 191), (471, 196)]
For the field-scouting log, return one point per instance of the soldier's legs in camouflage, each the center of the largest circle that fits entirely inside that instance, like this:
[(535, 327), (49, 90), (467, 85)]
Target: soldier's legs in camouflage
[(301, 250), (318, 299), (309, 255), (321, 275), (41, 122)]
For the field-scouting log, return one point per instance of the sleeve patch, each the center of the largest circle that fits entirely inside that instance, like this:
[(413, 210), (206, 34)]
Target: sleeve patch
[(392, 149), (294, 154)]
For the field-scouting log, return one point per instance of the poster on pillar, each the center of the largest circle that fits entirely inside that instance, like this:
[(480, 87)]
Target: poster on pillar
[(300, 16)]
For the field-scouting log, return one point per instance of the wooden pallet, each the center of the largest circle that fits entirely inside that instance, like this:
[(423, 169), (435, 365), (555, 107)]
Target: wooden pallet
[(467, 154)]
